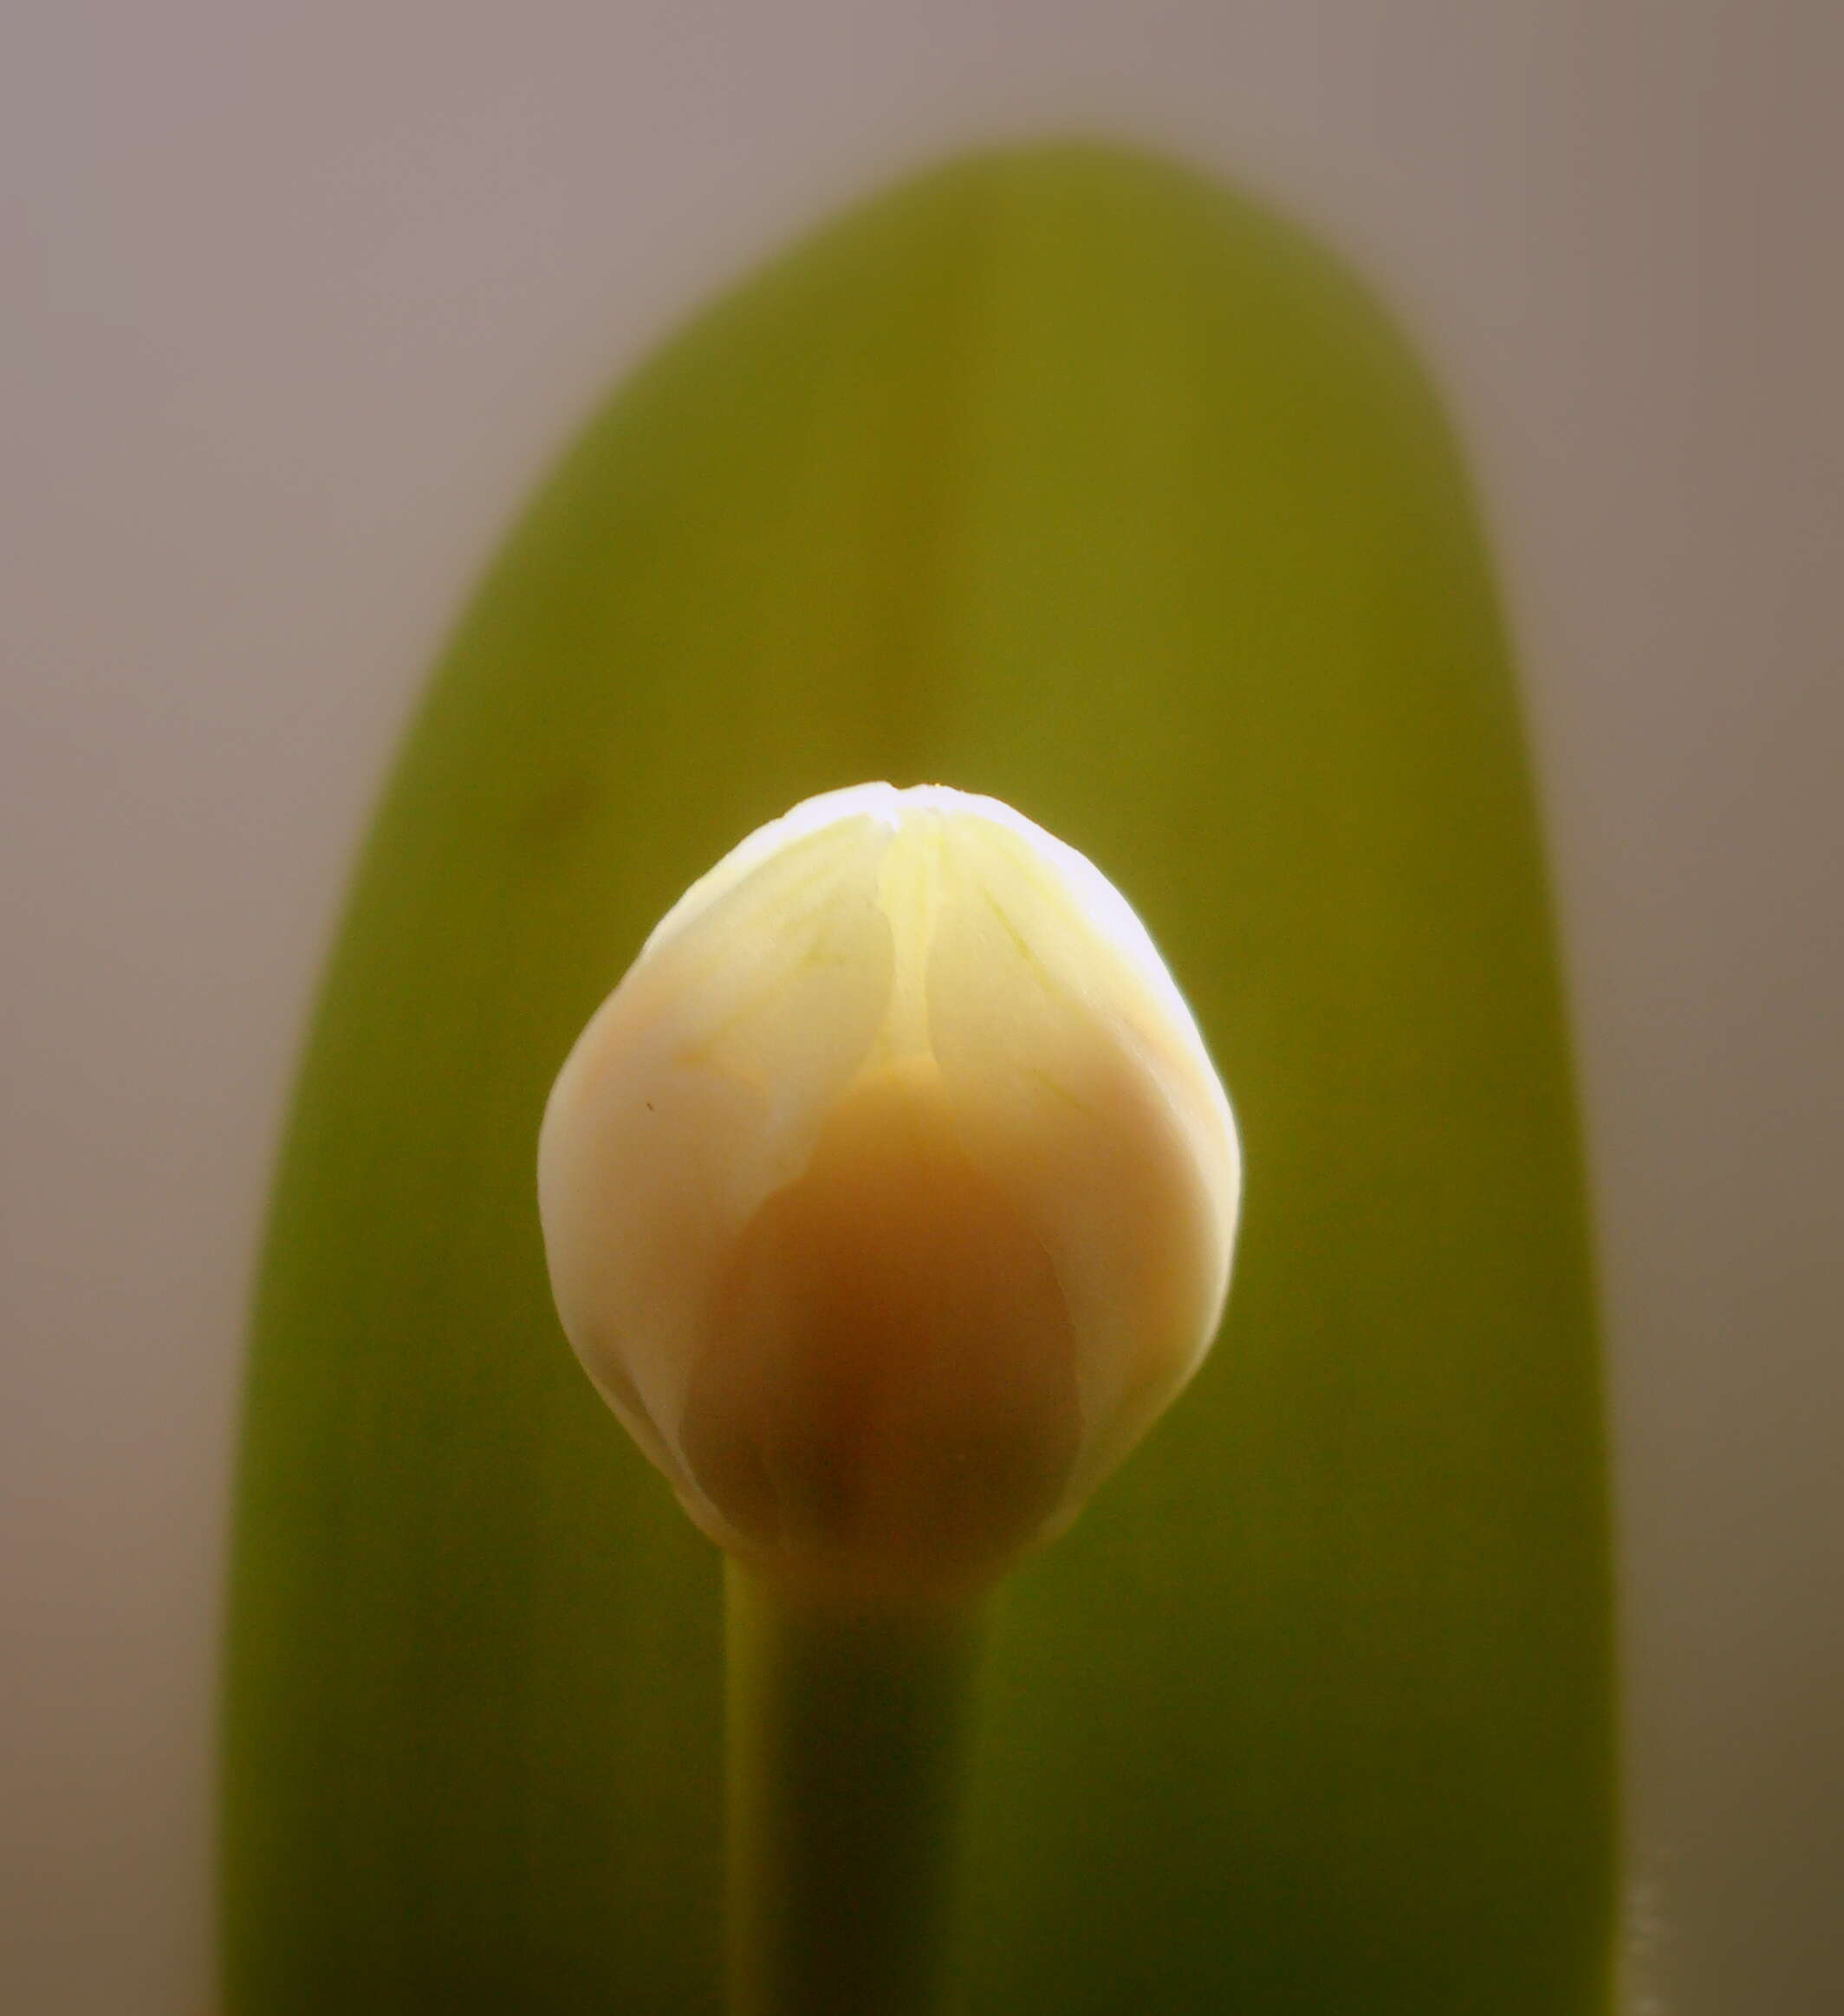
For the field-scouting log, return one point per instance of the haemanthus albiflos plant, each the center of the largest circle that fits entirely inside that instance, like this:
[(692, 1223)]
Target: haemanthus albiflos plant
[(889, 1198)]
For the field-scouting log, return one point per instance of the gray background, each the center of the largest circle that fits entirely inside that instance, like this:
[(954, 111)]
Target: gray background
[(299, 299)]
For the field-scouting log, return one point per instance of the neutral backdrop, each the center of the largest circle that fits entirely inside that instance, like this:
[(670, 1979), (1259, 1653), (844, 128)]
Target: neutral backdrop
[(295, 302)]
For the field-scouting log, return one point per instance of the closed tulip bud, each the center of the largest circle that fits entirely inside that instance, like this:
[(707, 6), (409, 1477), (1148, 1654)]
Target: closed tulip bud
[(890, 1196)]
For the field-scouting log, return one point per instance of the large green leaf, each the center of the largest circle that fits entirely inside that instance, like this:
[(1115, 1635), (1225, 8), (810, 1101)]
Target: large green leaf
[(1062, 475)]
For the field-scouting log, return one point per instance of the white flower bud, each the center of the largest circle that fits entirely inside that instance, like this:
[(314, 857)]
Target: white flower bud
[(890, 1196)]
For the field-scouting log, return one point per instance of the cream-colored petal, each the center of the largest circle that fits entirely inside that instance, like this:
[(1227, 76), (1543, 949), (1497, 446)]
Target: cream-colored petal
[(1078, 1082), (886, 1395), (876, 804), (698, 1088)]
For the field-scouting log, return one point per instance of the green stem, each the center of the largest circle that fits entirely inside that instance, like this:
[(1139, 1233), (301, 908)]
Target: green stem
[(845, 1728)]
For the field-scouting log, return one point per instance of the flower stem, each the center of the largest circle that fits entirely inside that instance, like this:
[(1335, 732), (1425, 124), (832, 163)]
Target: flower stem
[(846, 1728)]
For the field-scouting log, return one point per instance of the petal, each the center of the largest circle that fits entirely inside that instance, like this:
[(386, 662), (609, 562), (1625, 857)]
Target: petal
[(876, 803), (699, 1087), (1078, 1083), (886, 1395)]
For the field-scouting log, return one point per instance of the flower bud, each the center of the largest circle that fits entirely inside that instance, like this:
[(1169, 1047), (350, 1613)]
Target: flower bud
[(890, 1196)]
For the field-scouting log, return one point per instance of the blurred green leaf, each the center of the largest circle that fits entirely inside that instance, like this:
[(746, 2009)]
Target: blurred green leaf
[(1063, 475)]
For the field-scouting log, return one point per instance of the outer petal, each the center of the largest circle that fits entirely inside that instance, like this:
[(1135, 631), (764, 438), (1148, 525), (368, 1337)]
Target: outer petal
[(1078, 1082), (886, 1395), (876, 804), (698, 1088)]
